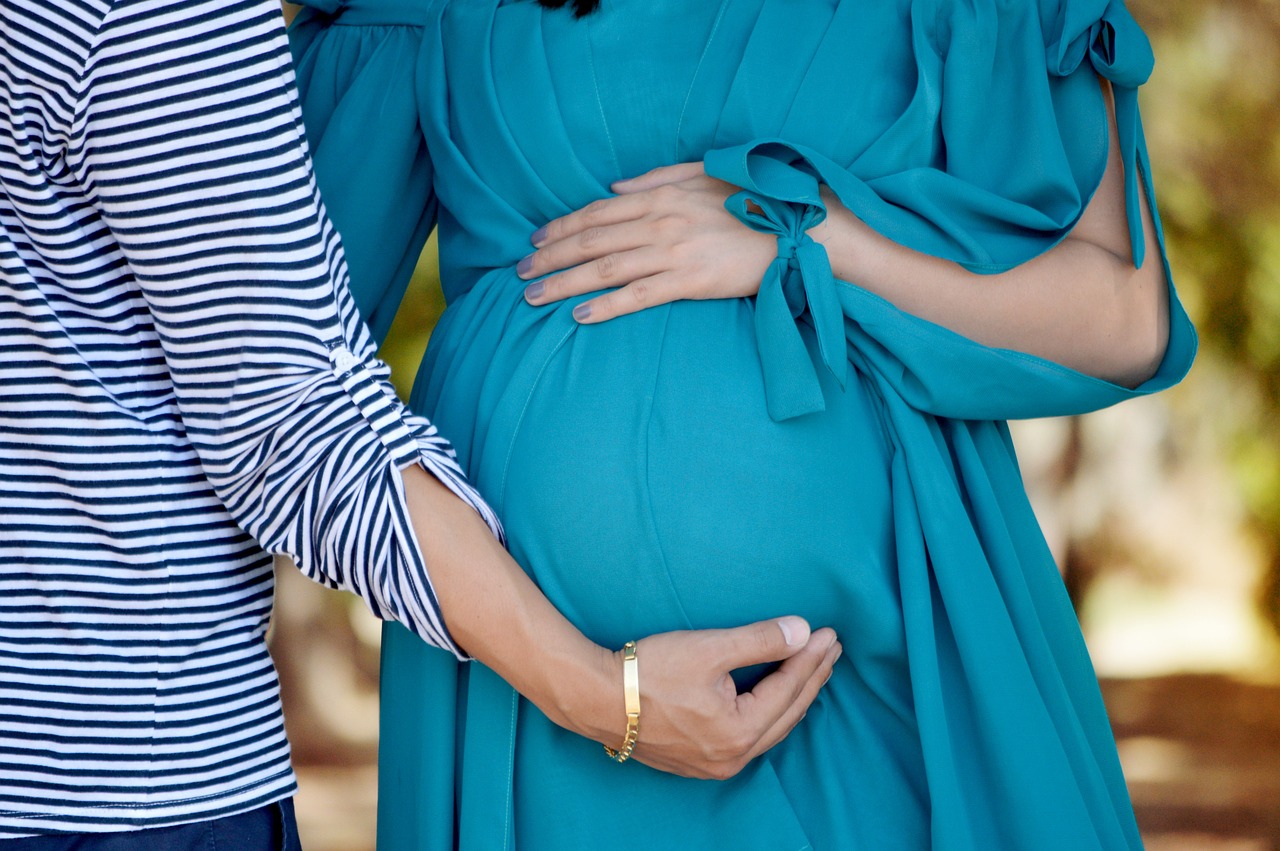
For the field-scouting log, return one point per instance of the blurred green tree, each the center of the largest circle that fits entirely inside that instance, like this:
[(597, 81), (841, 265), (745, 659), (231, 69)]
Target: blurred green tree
[(1213, 121)]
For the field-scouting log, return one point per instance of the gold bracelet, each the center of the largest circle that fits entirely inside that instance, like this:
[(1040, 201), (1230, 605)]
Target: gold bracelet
[(631, 689)]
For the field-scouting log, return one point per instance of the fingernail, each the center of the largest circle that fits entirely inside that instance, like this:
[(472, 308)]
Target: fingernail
[(581, 312), (539, 235), (794, 630), (534, 291)]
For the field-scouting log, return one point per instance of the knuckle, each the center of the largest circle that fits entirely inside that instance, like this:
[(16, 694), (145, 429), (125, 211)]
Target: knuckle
[(667, 193), (683, 254), (606, 267), (640, 292), (590, 237), (742, 743), (592, 213), (668, 225), (722, 772), (762, 639)]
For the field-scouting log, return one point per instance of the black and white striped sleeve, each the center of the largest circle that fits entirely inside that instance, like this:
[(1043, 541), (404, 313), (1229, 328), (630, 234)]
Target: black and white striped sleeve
[(189, 139)]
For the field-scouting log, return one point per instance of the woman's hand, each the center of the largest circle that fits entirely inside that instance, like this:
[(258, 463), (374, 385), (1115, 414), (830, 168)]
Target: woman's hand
[(665, 236)]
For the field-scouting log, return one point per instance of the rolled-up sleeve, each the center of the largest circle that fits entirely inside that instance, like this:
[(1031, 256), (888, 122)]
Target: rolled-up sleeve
[(193, 151)]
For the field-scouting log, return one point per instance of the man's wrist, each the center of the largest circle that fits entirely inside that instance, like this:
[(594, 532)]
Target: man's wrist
[(585, 692)]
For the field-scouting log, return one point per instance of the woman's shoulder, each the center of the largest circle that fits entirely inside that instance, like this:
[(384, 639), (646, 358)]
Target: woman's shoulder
[(375, 12), (1052, 19), (1065, 32)]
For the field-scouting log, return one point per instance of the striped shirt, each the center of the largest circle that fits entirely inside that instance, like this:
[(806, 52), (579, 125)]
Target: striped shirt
[(185, 387)]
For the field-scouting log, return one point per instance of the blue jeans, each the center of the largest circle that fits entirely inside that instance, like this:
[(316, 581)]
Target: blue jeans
[(269, 828)]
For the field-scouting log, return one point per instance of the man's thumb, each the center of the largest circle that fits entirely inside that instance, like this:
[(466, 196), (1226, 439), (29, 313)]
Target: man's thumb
[(766, 641)]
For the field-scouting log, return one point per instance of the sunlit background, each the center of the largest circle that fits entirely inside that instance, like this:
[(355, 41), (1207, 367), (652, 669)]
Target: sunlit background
[(1164, 513)]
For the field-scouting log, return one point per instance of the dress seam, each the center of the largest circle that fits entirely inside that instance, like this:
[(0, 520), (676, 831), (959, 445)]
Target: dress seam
[(604, 121), (697, 72), (648, 491), (507, 829), (524, 408)]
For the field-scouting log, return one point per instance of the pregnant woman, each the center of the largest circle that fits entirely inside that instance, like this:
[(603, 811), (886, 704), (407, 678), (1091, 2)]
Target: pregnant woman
[(876, 230)]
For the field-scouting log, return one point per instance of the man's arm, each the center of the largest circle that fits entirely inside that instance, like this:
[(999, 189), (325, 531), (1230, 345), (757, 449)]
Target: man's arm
[(192, 150)]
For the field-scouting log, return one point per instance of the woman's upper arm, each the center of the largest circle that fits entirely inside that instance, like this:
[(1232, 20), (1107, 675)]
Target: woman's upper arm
[(1105, 220), (1104, 223)]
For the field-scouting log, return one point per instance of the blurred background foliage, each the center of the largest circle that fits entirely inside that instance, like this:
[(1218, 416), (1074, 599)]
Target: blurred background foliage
[(1215, 127), (1164, 513)]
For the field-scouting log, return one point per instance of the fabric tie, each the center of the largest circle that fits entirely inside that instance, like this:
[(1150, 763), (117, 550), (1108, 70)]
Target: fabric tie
[(799, 278), (1120, 52)]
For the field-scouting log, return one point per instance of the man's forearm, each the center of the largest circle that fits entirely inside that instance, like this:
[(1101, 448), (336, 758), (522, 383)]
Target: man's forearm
[(693, 723), (499, 616)]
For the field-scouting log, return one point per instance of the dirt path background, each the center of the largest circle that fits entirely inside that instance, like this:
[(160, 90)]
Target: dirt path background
[(1201, 753)]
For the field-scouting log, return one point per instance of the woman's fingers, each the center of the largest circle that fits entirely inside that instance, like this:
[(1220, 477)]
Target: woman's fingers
[(794, 686), (783, 696), (611, 270), (592, 244), (597, 245), (638, 295), (597, 214), (630, 204), (668, 238), (659, 177)]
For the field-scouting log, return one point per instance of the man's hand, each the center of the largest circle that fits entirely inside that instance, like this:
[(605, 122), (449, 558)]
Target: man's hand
[(692, 720)]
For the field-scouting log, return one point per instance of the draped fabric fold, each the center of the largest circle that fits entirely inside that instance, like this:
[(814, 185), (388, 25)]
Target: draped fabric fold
[(376, 187), (972, 231), (952, 456), (1119, 51)]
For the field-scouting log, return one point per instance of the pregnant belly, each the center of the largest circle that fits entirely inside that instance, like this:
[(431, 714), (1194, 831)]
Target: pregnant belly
[(644, 486)]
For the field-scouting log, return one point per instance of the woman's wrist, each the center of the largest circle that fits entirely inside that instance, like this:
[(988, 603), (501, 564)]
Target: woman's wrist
[(848, 241)]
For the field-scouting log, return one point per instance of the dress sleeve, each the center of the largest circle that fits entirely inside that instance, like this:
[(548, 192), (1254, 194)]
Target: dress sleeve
[(1016, 135), (193, 152), (356, 88)]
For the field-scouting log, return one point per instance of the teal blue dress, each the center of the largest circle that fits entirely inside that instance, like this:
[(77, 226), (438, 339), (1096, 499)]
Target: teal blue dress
[(812, 450)]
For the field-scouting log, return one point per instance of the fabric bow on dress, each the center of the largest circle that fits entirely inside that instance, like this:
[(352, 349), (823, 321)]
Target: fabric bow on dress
[(799, 279)]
